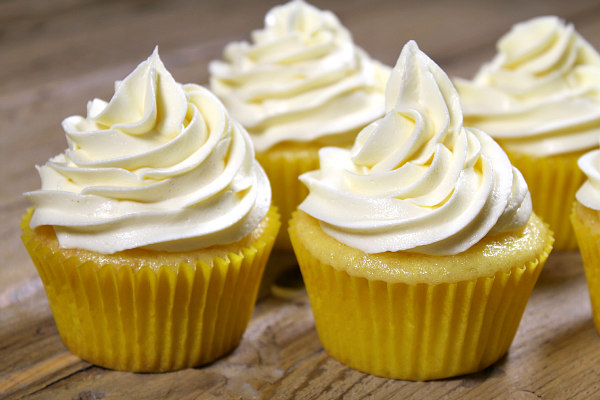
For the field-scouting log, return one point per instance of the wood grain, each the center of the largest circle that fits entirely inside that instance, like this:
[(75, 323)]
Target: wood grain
[(55, 56)]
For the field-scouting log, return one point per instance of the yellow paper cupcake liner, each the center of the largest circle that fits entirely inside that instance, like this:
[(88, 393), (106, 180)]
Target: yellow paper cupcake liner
[(553, 182), (416, 332), (283, 165), (146, 319), (589, 246)]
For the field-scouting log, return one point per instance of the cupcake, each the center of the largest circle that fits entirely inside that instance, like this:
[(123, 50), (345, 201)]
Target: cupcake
[(418, 246), (539, 98), (152, 230), (585, 218), (300, 84)]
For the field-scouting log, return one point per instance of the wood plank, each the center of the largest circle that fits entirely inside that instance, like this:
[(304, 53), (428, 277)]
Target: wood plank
[(280, 357)]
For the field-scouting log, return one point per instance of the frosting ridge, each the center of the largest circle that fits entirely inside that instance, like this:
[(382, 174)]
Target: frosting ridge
[(589, 193), (416, 179), (160, 166), (541, 92)]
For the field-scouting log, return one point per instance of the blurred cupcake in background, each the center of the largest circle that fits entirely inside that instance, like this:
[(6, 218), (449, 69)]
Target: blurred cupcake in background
[(152, 230), (300, 84), (585, 218), (539, 98), (418, 247)]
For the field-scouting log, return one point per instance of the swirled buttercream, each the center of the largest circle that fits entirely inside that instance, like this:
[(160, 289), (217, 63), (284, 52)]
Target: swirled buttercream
[(589, 193), (301, 79), (540, 94), (416, 179), (160, 166)]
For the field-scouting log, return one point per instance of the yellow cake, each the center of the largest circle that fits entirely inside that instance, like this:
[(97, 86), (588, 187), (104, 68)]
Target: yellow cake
[(149, 311), (301, 83), (151, 232), (419, 317), (538, 98), (418, 247), (587, 230)]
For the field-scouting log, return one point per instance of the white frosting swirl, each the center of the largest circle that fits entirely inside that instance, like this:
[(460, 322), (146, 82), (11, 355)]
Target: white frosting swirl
[(301, 79), (161, 166), (416, 179), (541, 93), (589, 193)]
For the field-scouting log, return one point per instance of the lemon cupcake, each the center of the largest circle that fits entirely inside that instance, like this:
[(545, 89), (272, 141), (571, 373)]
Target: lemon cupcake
[(540, 99), (585, 218), (151, 231), (418, 247), (300, 84)]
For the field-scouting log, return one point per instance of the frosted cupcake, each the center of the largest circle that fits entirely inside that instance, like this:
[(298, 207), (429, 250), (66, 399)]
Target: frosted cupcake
[(152, 230), (585, 218), (418, 247), (540, 99), (300, 84)]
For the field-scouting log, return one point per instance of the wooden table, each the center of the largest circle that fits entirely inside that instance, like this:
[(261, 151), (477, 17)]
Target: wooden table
[(55, 56)]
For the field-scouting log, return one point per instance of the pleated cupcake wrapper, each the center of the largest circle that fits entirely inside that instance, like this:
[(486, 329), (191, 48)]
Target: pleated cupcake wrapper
[(553, 182), (283, 169), (416, 332), (145, 320), (589, 246)]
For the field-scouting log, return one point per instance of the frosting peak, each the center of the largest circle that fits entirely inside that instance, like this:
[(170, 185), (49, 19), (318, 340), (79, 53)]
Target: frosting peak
[(301, 79), (160, 166), (312, 24), (416, 179), (540, 94)]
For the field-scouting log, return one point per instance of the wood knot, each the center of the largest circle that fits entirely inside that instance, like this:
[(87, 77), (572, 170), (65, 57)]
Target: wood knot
[(89, 395)]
